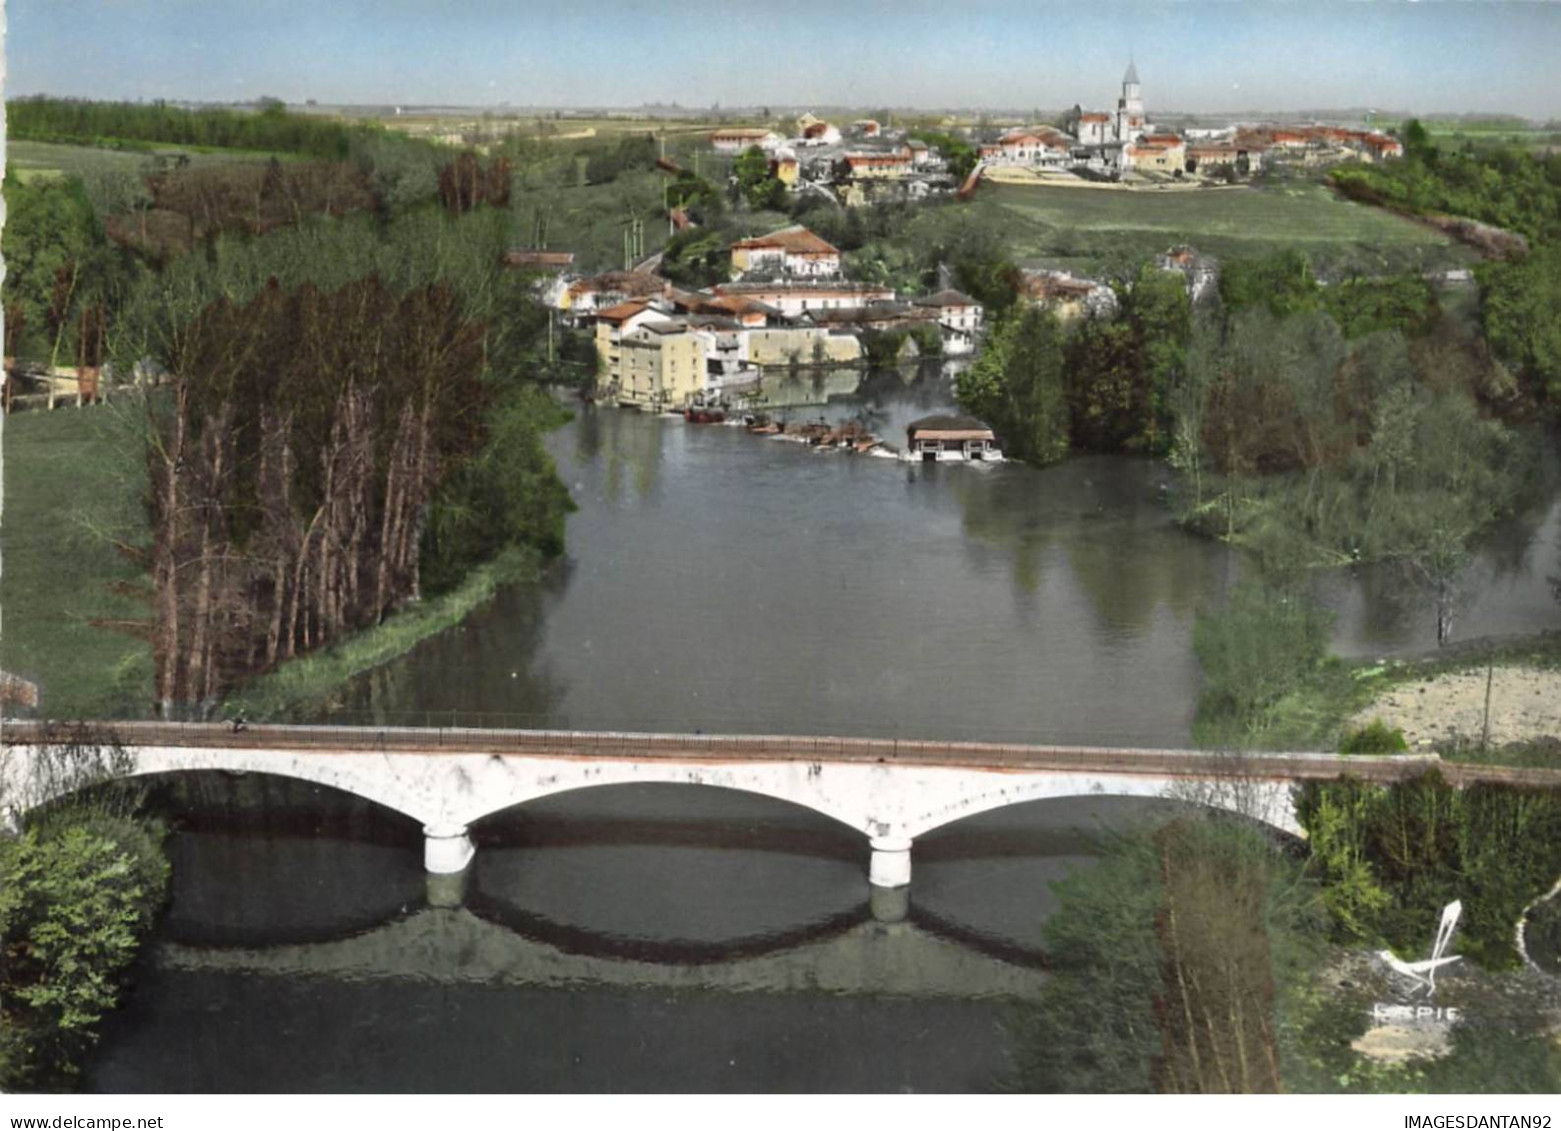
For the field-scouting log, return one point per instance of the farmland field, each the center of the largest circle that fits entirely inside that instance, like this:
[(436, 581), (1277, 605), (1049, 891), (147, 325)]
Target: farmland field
[(1087, 227), (34, 159)]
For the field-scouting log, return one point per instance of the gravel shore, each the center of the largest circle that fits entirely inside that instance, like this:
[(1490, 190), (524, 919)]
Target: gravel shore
[(1525, 704)]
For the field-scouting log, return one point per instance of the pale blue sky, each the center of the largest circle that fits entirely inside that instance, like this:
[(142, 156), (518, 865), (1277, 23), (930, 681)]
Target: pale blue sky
[(1197, 56)]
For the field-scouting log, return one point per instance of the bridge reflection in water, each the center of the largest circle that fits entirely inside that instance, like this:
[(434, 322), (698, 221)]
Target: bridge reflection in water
[(454, 945)]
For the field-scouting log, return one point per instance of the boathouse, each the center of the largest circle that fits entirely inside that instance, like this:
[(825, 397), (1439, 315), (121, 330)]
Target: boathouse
[(943, 438)]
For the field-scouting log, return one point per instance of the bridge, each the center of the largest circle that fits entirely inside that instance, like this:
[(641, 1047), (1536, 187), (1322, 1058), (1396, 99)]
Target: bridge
[(889, 790)]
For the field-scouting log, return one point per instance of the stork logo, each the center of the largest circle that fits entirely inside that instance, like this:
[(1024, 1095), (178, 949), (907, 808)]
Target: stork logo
[(1423, 974)]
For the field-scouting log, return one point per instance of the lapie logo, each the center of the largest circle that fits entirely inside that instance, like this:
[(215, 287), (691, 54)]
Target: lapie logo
[(1423, 974), (1414, 1014)]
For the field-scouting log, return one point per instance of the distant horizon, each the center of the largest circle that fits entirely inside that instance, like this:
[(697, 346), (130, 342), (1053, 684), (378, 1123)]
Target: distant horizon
[(777, 110), (1237, 57)]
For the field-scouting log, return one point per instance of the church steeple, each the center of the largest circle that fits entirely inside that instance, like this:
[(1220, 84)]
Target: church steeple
[(1130, 107)]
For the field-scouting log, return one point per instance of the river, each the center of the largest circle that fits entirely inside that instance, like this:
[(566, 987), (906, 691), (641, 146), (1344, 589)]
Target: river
[(678, 938)]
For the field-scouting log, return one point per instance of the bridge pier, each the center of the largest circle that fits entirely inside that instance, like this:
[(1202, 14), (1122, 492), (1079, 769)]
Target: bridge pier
[(447, 849), (889, 878)]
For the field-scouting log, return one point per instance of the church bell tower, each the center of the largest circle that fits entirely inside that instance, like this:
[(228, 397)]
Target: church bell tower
[(1130, 107)]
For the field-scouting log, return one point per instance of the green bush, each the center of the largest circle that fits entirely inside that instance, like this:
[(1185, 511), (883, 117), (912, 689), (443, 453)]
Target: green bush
[(1374, 738), (1391, 857), (75, 901), (1254, 652)]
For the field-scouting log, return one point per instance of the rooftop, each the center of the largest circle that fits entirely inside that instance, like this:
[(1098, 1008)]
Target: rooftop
[(949, 428), (948, 297), (795, 240), (622, 312), (625, 282), (802, 287), (531, 257)]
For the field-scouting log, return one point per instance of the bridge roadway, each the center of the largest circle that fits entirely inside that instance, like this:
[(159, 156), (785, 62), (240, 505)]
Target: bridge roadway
[(890, 790)]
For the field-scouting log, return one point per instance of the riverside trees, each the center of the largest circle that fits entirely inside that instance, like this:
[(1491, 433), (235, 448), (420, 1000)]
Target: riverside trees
[(1180, 947), (293, 461), (1315, 425), (302, 436), (346, 403), (80, 884)]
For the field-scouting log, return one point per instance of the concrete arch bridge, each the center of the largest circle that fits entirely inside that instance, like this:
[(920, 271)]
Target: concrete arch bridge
[(890, 791)]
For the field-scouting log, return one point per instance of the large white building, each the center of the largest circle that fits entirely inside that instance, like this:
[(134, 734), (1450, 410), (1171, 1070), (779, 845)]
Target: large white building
[(1099, 129)]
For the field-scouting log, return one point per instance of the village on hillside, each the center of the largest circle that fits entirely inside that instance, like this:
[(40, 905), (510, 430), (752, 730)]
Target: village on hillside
[(789, 303), (867, 161)]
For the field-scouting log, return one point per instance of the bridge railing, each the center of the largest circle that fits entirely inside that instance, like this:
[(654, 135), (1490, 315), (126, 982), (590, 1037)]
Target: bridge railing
[(435, 741)]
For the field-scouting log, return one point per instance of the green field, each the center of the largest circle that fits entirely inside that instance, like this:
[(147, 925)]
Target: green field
[(32, 159), (73, 485), (1087, 227), (1453, 134)]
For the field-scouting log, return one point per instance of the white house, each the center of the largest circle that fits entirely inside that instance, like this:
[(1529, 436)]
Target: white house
[(792, 251), (738, 139), (959, 318)]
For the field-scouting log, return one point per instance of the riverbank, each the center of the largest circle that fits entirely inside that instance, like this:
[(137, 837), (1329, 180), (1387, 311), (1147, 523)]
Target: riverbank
[(307, 682), (75, 615), (1499, 706), (1438, 701)]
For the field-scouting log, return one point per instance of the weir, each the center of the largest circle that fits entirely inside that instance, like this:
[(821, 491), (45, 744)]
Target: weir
[(890, 791)]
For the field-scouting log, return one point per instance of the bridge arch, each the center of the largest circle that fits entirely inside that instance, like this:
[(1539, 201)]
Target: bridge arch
[(346, 775), (770, 786), (1269, 803)]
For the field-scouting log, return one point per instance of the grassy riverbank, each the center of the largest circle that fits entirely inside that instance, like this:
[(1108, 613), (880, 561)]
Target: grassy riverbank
[(308, 681), (74, 480)]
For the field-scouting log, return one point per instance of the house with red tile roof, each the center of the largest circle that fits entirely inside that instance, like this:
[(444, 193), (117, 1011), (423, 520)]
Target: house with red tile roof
[(1155, 153), (793, 251)]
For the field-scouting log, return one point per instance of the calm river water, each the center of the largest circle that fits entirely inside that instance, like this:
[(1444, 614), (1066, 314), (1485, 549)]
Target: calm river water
[(677, 938)]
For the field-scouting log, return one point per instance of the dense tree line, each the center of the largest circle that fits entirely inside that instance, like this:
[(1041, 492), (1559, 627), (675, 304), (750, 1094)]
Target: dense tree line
[(1314, 424), (1393, 856), (187, 205), (466, 183), (1506, 186), (63, 275), (755, 184), (605, 164), (351, 405), (1104, 385), (348, 405), (1284, 284), (272, 128), (1180, 948), (302, 436)]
